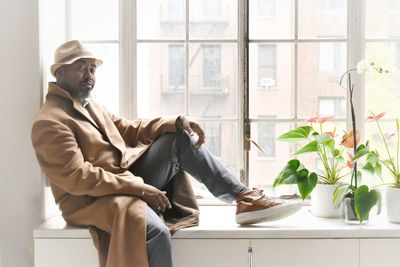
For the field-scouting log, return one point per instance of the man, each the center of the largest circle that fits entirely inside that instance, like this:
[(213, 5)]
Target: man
[(124, 179)]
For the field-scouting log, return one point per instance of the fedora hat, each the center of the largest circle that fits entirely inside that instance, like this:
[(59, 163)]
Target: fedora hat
[(69, 52)]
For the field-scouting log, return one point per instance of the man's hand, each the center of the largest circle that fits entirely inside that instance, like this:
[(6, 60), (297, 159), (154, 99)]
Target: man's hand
[(191, 126), (155, 199)]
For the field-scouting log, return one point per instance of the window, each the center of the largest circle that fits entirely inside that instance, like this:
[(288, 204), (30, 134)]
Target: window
[(266, 139), (267, 65), (211, 65), (331, 4), (176, 65), (332, 106), (332, 57), (301, 51), (212, 8), (176, 8), (213, 143), (394, 4), (266, 8)]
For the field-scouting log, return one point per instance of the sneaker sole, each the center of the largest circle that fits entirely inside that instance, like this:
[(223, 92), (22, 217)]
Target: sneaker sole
[(268, 215)]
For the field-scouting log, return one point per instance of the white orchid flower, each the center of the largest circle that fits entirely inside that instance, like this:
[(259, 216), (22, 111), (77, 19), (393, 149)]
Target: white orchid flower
[(364, 66)]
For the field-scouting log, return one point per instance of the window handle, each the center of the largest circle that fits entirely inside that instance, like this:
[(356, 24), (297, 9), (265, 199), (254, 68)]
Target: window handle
[(250, 256)]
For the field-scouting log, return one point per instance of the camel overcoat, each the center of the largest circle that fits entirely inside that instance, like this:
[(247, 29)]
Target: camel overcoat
[(86, 155)]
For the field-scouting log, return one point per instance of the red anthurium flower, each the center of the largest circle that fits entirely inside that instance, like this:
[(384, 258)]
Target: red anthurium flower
[(348, 139), (350, 164), (376, 117), (331, 134), (319, 119)]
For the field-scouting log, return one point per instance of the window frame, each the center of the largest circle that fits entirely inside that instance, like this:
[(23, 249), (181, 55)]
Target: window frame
[(127, 48)]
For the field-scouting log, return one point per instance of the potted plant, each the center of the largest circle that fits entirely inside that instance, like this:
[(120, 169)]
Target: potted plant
[(358, 199), (330, 152), (390, 162)]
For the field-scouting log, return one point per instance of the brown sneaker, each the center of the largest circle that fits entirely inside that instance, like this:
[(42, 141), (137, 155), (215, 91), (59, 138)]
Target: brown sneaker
[(254, 207)]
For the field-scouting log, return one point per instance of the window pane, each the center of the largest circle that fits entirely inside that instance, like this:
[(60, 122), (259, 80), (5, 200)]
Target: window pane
[(106, 90), (213, 80), (263, 168), (271, 80), (382, 18), (382, 92), (322, 19), (320, 68), (161, 19), (213, 19), (160, 80), (101, 23), (271, 19)]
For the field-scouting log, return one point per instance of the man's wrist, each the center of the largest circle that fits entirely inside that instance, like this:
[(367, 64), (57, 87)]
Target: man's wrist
[(179, 122)]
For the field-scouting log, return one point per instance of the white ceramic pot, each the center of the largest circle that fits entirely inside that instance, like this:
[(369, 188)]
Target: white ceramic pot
[(393, 204), (321, 201)]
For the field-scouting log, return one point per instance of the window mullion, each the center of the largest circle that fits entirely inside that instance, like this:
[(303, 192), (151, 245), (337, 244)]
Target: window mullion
[(243, 76), (356, 52), (127, 55)]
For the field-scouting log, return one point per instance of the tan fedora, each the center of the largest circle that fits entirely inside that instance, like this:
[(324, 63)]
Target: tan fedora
[(69, 52)]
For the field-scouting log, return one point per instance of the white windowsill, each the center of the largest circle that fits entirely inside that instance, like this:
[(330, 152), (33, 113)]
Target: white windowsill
[(219, 222)]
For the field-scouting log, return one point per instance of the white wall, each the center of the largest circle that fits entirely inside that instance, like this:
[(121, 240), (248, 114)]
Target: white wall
[(20, 176)]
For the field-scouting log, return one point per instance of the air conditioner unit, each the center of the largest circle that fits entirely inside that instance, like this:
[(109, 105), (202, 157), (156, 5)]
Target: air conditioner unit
[(267, 82)]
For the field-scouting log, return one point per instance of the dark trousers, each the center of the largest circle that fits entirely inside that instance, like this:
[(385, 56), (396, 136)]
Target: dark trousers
[(166, 156)]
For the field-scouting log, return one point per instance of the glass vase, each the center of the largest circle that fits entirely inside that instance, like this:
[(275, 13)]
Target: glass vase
[(350, 216)]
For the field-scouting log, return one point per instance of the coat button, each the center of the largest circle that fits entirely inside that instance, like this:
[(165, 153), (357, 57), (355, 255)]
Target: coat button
[(124, 164)]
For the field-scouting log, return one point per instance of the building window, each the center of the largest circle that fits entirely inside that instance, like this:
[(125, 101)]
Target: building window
[(211, 65), (332, 57), (176, 58), (266, 8), (267, 65), (212, 8), (266, 139), (332, 106), (176, 8)]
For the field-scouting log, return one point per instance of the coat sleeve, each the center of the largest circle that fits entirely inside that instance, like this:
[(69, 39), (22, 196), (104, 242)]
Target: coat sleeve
[(61, 159), (142, 130)]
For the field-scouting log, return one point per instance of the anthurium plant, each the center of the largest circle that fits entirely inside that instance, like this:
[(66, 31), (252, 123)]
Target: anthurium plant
[(329, 150), (389, 159)]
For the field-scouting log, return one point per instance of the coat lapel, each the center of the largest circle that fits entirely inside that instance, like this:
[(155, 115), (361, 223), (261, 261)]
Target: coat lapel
[(107, 128)]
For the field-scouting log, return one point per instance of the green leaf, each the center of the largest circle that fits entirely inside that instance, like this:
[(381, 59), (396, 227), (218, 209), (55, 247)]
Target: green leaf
[(361, 151), (336, 153), (289, 173), (339, 194), (322, 138), (364, 201), (295, 173), (307, 184), (310, 147), (299, 134)]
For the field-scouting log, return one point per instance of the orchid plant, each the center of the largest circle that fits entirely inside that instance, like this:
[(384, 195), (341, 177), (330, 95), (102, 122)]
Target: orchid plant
[(329, 150), (363, 198), (374, 161)]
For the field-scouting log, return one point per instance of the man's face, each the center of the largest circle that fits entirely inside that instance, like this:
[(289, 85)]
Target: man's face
[(77, 78)]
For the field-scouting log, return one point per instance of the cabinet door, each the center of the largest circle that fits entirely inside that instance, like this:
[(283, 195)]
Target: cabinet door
[(210, 252), (305, 252), (379, 252), (65, 253)]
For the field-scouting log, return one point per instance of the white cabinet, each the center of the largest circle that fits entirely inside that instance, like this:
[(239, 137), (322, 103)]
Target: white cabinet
[(65, 253), (210, 252), (305, 252), (379, 252)]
